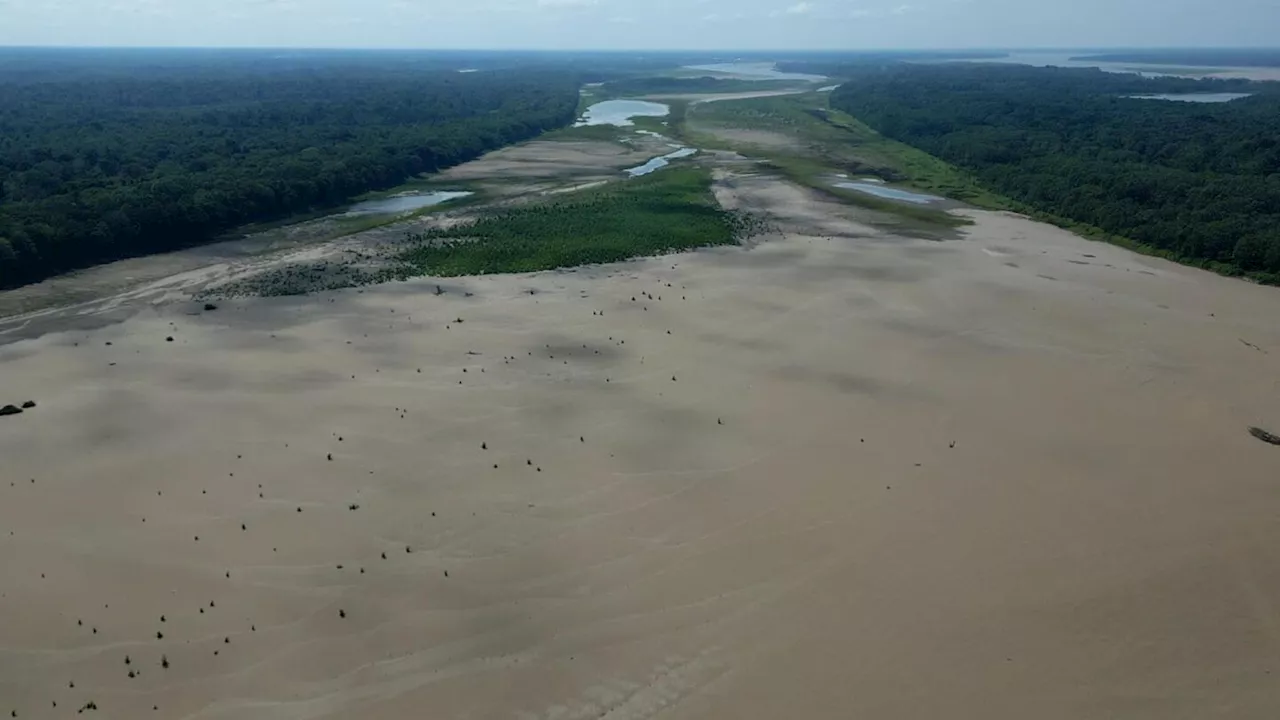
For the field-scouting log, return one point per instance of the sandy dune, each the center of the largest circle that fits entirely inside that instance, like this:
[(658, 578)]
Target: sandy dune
[(841, 474), (545, 159)]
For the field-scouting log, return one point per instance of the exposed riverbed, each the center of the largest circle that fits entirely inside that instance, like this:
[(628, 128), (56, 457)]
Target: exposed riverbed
[(405, 203), (889, 193)]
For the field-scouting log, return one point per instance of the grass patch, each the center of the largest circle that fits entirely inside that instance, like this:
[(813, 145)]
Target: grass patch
[(667, 211), (602, 133), (829, 141), (652, 124), (816, 176), (916, 167), (677, 118), (590, 95)]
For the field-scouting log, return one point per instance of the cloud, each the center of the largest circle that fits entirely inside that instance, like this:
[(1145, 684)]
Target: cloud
[(800, 8), (566, 3)]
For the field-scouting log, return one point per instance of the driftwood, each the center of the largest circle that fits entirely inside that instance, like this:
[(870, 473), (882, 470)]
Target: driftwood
[(1264, 436)]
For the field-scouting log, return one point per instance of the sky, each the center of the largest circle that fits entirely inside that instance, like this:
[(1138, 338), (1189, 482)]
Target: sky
[(643, 24)]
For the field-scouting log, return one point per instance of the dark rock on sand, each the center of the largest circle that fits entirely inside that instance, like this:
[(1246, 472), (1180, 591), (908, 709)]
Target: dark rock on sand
[(1264, 436)]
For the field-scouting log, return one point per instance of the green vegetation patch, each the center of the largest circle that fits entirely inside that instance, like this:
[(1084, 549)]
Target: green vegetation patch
[(829, 141), (913, 166), (668, 211), (602, 133), (826, 142), (1194, 182), (818, 177)]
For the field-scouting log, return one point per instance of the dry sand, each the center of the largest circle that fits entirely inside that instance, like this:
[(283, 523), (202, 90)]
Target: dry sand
[(543, 159), (745, 138), (841, 474)]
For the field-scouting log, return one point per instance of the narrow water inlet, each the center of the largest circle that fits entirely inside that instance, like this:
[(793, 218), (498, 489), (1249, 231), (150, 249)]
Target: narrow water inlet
[(660, 162), (889, 193), (405, 203)]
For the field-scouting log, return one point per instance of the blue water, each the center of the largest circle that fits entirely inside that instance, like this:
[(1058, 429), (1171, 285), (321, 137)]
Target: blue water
[(754, 71), (620, 112), (1194, 97), (889, 193), (660, 162), (404, 203)]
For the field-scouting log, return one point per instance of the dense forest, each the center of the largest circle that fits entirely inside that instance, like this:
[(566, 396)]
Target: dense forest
[(1199, 182), (103, 160)]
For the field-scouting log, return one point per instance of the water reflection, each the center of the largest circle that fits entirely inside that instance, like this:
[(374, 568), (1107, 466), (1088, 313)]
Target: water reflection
[(404, 203), (889, 193), (1193, 97), (620, 112), (660, 162)]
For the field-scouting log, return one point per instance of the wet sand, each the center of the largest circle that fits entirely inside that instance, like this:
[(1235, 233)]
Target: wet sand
[(842, 473)]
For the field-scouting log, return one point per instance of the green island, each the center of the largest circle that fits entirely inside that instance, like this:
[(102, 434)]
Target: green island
[(663, 212), (651, 215)]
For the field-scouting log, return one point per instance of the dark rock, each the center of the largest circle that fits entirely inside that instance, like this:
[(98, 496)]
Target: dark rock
[(10, 410), (28, 404), (210, 307), (1264, 436)]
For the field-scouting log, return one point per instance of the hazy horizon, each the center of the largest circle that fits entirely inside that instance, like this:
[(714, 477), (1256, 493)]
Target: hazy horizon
[(726, 50), (653, 25)]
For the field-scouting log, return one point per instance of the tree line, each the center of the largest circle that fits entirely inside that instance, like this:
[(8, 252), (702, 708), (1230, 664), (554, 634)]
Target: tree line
[(1198, 182), (97, 165)]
